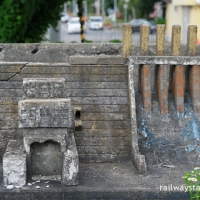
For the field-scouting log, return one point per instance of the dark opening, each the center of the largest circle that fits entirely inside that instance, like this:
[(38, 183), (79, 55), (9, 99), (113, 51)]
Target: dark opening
[(78, 115), (46, 158), (35, 50)]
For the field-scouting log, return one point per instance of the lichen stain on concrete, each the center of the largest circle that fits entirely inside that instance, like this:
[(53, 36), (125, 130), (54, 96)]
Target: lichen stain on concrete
[(191, 134), (190, 148), (143, 131)]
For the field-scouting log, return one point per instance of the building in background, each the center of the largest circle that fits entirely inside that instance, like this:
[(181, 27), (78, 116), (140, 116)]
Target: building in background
[(184, 13)]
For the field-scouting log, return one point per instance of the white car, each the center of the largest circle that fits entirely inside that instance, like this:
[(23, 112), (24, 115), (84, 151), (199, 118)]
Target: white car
[(74, 25), (96, 22), (65, 17)]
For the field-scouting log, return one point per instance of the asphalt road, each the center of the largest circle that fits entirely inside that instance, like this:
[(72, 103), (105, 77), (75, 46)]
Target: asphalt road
[(100, 36)]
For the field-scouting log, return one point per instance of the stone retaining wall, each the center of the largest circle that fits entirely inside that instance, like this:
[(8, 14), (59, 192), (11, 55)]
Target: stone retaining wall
[(163, 79), (100, 90)]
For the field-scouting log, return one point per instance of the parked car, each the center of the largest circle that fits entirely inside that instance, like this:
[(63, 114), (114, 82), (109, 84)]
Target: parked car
[(96, 22), (74, 25), (136, 23), (64, 17)]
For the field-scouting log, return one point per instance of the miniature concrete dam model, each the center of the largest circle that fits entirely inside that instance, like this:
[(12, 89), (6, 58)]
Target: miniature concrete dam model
[(48, 147), (119, 121)]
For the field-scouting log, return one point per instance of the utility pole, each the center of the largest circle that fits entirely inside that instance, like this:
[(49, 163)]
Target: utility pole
[(97, 6), (125, 10), (65, 7), (115, 11), (80, 14), (74, 7), (102, 9), (85, 9)]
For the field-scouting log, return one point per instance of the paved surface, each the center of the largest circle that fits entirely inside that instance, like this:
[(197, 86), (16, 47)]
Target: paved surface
[(107, 181), (100, 35)]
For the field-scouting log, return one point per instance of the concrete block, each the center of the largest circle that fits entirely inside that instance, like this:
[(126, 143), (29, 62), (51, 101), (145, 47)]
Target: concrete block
[(41, 135), (70, 167), (97, 60), (14, 164), (43, 88), (45, 113)]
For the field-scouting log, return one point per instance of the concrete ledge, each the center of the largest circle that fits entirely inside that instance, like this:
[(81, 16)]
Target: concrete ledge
[(164, 60), (51, 52), (97, 60)]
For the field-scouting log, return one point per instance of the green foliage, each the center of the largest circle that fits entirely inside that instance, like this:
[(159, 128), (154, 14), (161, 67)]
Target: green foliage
[(193, 183), (144, 7), (115, 41), (88, 41), (27, 20), (160, 21)]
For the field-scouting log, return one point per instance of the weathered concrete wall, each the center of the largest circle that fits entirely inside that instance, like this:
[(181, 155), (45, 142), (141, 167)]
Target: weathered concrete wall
[(100, 90), (170, 139)]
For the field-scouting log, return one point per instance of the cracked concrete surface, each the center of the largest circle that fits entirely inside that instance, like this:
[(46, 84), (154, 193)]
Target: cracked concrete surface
[(10, 78)]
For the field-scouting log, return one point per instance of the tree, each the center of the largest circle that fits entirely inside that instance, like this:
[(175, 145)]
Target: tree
[(144, 7), (27, 20)]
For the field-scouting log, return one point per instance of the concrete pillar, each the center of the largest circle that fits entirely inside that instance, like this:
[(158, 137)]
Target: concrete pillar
[(162, 77), (145, 72), (127, 40), (193, 72), (177, 86)]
